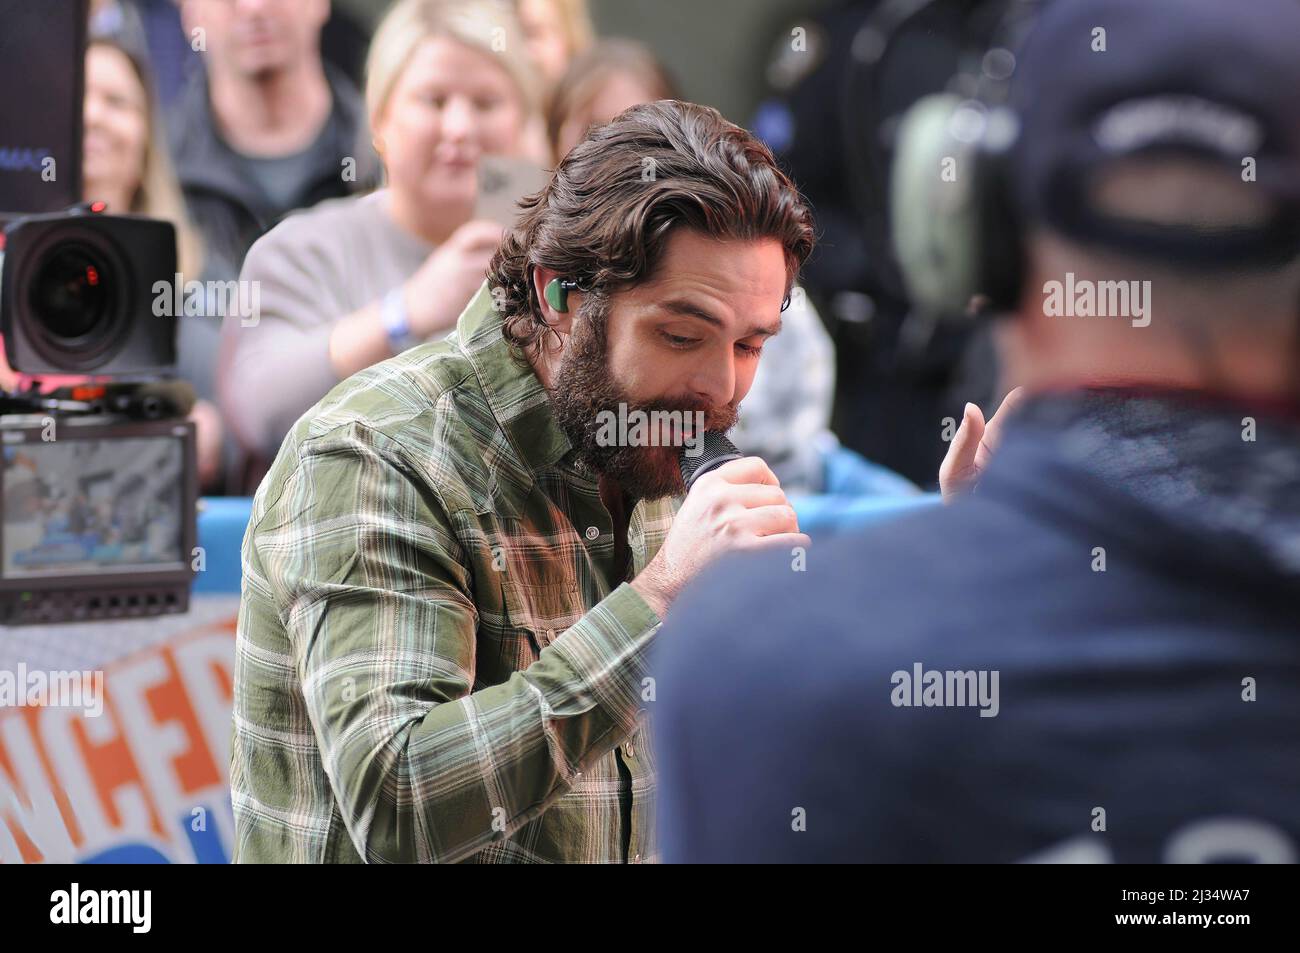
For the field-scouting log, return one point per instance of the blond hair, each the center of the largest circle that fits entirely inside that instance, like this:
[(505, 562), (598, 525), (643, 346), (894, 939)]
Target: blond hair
[(485, 25), (575, 24), (159, 193)]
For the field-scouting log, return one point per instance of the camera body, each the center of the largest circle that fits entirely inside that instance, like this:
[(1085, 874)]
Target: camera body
[(76, 294)]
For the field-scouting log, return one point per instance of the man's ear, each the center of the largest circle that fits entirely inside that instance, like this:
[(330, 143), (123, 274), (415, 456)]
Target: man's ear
[(561, 321)]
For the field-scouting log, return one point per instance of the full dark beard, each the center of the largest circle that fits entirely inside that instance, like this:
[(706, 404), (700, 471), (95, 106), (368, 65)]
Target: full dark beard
[(584, 389)]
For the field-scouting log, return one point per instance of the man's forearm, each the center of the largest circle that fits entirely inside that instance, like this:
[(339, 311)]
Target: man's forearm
[(464, 773)]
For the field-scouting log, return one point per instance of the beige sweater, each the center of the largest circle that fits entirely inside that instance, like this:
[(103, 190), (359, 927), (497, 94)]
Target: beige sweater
[(312, 269)]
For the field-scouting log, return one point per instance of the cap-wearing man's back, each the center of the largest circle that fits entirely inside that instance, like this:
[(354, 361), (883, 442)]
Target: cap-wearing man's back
[(1093, 658)]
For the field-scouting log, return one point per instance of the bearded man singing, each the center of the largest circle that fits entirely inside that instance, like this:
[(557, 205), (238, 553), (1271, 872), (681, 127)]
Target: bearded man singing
[(452, 583)]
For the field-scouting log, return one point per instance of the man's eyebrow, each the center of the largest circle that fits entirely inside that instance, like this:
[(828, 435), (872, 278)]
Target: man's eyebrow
[(692, 310)]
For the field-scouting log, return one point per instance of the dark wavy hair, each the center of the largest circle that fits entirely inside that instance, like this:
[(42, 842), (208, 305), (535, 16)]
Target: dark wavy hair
[(605, 217)]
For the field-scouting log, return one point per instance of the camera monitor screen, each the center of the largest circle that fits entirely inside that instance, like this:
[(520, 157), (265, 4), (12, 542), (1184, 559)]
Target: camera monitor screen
[(93, 505)]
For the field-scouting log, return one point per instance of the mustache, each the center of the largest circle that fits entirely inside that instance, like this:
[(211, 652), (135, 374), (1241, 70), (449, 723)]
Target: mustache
[(716, 418)]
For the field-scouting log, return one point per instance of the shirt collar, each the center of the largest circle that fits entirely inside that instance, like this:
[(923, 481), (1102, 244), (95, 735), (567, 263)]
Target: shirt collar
[(511, 386)]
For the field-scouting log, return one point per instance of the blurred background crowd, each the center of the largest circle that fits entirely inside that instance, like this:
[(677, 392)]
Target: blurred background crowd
[(369, 118)]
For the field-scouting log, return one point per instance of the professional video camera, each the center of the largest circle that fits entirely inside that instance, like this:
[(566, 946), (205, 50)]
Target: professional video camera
[(99, 487)]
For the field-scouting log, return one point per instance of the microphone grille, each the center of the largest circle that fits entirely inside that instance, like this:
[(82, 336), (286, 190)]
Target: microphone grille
[(715, 450)]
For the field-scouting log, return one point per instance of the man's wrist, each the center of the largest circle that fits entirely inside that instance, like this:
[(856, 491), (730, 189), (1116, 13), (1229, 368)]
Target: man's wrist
[(651, 592)]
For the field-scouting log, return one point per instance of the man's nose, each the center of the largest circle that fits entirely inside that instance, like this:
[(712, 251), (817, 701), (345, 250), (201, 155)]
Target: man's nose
[(715, 381)]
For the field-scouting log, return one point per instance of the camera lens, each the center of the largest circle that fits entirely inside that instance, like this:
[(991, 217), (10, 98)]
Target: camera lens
[(71, 292)]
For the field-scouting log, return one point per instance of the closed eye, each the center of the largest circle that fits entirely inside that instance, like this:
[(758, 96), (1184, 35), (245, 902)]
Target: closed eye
[(676, 340)]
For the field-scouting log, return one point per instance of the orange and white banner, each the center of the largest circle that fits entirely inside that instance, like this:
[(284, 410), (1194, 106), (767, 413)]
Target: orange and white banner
[(115, 739)]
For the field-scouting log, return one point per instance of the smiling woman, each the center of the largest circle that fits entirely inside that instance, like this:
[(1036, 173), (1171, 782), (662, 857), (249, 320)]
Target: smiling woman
[(124, 162)]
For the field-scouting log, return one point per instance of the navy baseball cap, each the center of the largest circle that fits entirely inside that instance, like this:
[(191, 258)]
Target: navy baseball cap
[(1100, 80)]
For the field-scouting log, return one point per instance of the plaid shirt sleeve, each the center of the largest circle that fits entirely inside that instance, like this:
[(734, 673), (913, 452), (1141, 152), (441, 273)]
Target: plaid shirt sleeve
[(374, 588)]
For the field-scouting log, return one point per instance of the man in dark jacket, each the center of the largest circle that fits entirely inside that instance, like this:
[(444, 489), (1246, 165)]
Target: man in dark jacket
[(1094, 655), (268, 128)]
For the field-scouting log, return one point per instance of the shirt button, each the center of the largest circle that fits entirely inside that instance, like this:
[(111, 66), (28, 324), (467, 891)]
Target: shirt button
[(636, 859), (593, 532), (550, 633), (630, 751)]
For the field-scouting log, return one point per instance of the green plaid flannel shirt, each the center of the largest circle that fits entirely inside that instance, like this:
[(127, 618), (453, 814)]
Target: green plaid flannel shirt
[(434, 660)]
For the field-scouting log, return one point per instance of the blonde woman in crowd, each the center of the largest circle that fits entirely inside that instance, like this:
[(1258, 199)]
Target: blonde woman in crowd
[(354, 281)]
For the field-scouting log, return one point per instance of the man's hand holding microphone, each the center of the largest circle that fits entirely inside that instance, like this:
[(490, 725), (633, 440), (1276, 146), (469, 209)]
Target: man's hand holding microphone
[(733, 504)]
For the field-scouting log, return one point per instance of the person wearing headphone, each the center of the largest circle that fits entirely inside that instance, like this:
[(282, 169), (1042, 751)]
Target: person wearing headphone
[(1091, 654)]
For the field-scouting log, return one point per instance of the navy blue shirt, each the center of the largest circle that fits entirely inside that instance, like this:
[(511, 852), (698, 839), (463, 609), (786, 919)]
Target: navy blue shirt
[(1129, 569)]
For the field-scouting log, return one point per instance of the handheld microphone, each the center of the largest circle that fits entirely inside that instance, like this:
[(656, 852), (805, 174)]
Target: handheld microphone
[(715, 450)]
